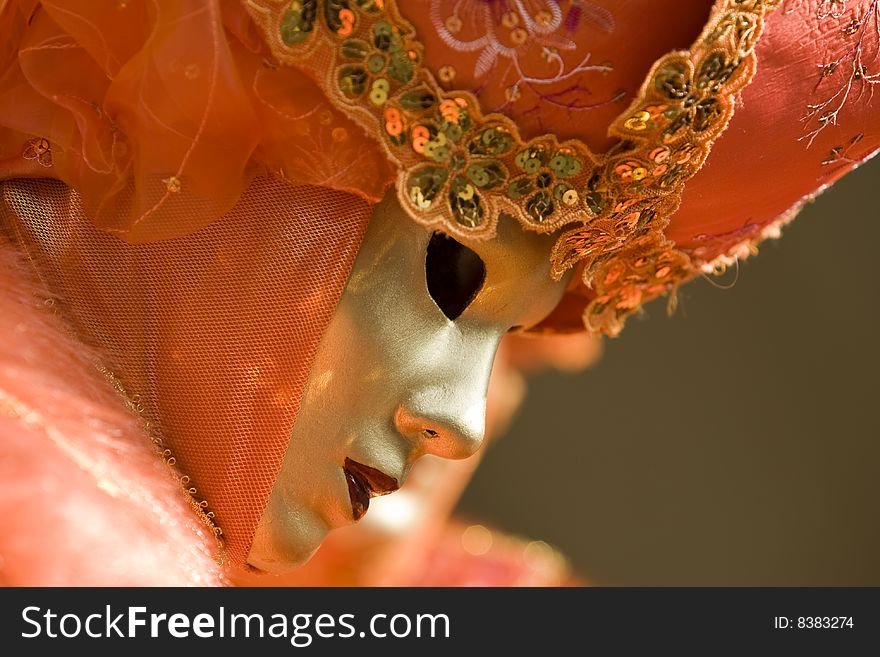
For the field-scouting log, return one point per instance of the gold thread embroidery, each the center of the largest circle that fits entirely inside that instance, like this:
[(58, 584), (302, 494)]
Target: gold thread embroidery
[(38, 149), (851, 67)]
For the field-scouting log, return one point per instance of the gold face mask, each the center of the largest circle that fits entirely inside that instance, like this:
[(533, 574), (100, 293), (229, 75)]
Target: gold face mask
[(401, 371)]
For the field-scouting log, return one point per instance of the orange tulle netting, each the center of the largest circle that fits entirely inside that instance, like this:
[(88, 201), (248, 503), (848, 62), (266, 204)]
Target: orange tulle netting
[(209, 336)]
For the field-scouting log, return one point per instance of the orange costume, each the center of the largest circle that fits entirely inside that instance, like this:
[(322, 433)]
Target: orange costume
[(185, 186)]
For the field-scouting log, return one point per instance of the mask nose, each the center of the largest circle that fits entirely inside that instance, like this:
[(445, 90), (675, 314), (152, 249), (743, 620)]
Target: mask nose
[(445, 422)]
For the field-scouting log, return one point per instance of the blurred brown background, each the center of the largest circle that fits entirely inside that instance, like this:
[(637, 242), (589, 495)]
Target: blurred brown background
[(735, 443)]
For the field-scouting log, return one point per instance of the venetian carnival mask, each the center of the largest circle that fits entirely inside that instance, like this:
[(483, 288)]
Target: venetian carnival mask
[(293, 233), (401, 371)]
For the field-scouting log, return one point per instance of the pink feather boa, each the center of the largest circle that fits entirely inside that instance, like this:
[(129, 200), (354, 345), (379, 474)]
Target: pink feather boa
[(84, 497)]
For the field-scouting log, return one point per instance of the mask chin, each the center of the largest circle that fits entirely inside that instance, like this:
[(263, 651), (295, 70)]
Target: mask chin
[(286, 538)]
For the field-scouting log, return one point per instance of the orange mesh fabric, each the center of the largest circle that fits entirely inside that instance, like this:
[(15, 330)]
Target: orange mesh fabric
[(212, 334)]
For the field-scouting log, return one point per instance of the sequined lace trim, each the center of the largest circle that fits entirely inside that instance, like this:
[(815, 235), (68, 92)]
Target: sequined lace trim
[(200, 507), (460, 169)]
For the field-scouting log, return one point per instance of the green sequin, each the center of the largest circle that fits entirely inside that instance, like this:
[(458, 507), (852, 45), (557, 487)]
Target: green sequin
[(331, 13), (564, 165), (530, 160), (467, 208), (424, 184), (298, 22), (595, 202), (417, 99), (540, 206), (400, 67), (477, 175), (453, 131), (396, 43), (486, 174), (437, 152), (352, 80), (382, 33), (355, 49), (519, 188), (376, 62), (491, 141)]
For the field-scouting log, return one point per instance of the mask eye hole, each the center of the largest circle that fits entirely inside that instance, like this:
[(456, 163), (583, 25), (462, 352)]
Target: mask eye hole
[(454, 274)]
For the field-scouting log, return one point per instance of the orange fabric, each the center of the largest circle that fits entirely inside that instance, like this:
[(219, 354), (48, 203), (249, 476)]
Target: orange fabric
[(560, 67), (160, 114), (769, 161)]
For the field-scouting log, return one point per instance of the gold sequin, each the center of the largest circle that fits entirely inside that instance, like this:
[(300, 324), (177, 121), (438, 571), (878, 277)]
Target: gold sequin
[(467, 192), (38, 149), (418, 198), (453, 24), (172, 184), (446, 74), (379, 91), (638, 121)]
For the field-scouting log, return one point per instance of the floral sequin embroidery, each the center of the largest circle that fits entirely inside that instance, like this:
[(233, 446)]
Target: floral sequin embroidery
[(497, 36), (459, 169)]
